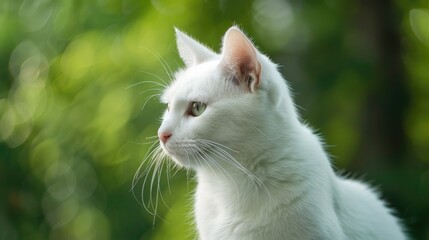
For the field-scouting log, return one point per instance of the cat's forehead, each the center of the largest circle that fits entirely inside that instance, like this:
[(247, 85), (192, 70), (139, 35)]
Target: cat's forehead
[(204, 82)]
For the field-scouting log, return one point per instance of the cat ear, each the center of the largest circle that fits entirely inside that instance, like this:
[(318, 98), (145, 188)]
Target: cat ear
[(239, 55), (191, 51)]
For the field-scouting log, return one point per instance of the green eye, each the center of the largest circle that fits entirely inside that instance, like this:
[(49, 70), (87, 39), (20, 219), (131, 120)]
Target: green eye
[(197, 108)]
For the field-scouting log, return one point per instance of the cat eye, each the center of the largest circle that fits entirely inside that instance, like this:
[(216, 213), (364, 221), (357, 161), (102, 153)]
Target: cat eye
[(197, 108)]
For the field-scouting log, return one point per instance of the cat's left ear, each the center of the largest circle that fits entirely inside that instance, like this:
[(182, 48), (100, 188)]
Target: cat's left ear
[(191, 51), (239, 55)]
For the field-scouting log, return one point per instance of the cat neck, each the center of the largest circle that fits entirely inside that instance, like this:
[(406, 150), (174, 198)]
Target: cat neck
[(285, 170)]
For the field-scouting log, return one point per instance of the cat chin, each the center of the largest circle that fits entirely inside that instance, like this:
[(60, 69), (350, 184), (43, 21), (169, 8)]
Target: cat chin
[(177, 158), (180, 163), (183, 161)]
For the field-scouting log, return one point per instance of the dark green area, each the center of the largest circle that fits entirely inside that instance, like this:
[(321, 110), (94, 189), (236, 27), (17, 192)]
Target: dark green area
[(73, 133)]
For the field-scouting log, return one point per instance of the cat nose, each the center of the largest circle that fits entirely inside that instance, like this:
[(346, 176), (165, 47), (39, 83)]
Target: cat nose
[(164, 136)]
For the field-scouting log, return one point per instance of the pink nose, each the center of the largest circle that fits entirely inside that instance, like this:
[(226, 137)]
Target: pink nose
[(164, 136)]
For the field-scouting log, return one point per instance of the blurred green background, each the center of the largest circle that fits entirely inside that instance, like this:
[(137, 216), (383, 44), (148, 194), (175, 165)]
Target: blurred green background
[(73, 133)]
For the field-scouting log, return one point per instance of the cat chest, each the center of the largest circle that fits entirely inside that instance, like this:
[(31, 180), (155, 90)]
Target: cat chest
[(219, 218)]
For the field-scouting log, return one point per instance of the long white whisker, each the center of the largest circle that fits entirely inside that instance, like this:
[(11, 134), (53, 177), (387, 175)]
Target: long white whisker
[(162, 61), (154, 154), (201, 152), (203, 155), (152, 137), (265, 135), (168, 177), (163, 84), (218, 144), (158, 190), (158, 167), (154, 172), (151, 90), (222, 170), (216, 149), (146, 174), (149, 98), (227, 156), (148, 155)]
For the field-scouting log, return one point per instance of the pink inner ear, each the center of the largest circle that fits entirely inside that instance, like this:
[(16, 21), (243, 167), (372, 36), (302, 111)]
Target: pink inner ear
[(239, 54)]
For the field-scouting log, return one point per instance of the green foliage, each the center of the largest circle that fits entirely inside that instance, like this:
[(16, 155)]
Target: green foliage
[(75, 75)]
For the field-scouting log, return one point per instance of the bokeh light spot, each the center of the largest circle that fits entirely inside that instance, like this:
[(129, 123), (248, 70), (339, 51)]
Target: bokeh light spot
[(34, 14), (43, 155), (419, 21), (273, 20), (60, 180), (76, 61)]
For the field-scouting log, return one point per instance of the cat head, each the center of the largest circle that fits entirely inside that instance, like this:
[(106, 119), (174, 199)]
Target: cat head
[(222, 109)]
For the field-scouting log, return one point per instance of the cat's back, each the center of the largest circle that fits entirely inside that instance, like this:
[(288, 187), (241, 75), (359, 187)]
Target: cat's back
[(362, 214)]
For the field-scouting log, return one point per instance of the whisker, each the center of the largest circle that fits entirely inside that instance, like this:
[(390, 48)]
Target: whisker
[(168, 177), (151, 137), (158, 190), (216, 148), (138, 173), (203, 155), (213, 156), (272, 139), (150, 90), (156, 173), (219, 145), (222, 170), (155, 156), (152, 140), (162, 61), (163, 84), (149, 98)]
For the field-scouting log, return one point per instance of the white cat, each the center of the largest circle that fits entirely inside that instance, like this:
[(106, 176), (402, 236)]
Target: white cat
[(262, 174)]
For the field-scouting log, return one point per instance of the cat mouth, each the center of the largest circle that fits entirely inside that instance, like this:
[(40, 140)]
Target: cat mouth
[(187, 153), (178, 154), (201, 153)]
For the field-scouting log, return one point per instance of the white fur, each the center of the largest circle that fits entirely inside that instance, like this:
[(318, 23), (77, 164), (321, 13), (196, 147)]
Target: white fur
[(262, 174)]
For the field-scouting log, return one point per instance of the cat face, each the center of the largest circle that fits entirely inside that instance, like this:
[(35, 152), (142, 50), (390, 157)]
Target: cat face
[(216, 105)]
